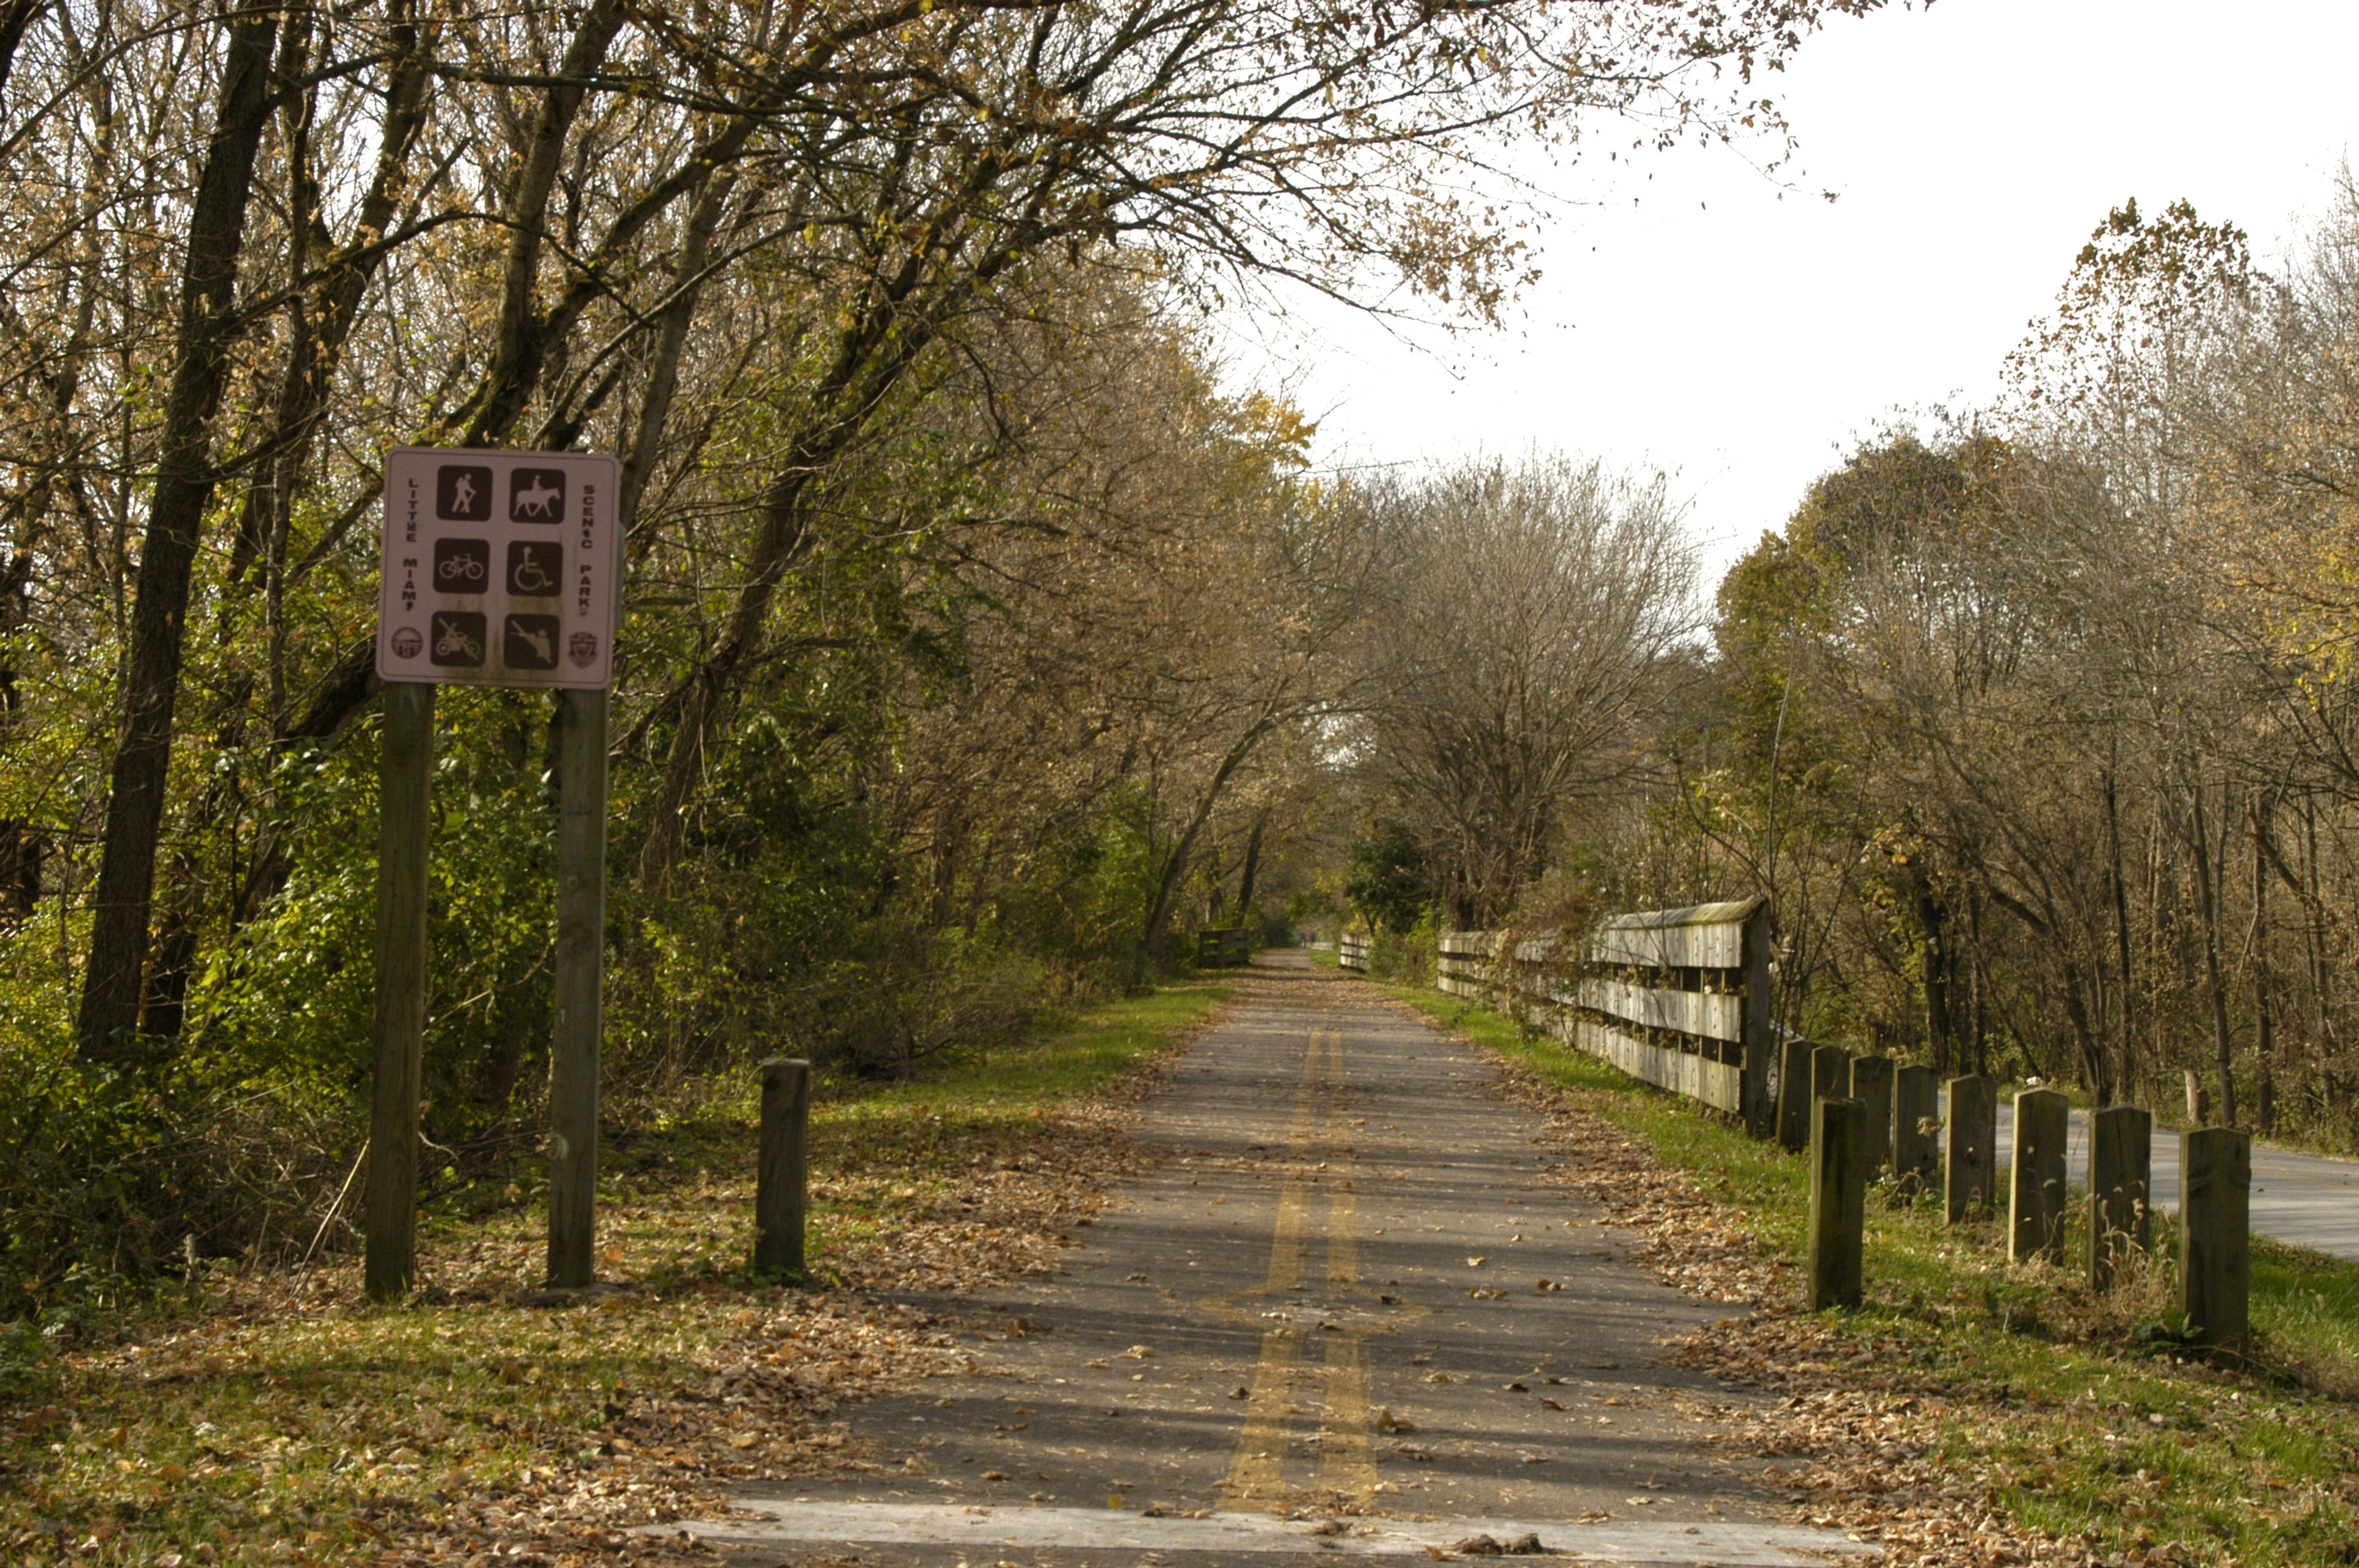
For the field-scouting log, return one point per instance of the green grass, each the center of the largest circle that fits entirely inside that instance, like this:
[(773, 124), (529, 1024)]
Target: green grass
[(274, 1417), (2076, 1407)]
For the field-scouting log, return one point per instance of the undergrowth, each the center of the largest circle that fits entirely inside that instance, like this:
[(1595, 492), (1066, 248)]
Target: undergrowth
[(267, 1416)]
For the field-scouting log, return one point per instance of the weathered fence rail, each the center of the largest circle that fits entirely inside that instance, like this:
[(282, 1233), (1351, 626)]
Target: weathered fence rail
[(1677, 997), (1223, 948), (1681, 998)]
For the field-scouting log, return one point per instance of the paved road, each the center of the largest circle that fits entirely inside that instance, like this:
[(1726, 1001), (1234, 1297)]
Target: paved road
[(2305, 1199), (1318, 1329)]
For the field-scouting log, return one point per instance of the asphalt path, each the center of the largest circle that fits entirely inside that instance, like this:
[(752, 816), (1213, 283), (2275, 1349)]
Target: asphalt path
[(1350, 1314), (2307, 1200)]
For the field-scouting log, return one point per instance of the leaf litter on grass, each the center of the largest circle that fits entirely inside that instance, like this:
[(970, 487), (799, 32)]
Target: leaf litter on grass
[(1850, 1454), (281, 1421)]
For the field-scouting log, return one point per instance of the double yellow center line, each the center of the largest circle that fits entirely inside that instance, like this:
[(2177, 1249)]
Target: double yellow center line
[(1318, 1163)]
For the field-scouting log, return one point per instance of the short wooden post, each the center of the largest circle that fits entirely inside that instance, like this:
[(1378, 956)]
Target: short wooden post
[(1916, 1137), (1871, 1085), (1760, 955), (2121, 1168), (404, 775), (579, 975), (781, 1194), (1968, 1147), (2035, 1209), (1830, 1070), (1838, 1201), (2215, 1265), (1794, 1095)]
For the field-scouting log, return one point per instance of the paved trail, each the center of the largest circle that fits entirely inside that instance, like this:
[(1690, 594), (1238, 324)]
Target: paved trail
[(1318, 1329), (2309, 1200)]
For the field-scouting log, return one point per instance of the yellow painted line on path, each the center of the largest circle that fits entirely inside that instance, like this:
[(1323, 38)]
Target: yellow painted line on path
[(1318, 1162)]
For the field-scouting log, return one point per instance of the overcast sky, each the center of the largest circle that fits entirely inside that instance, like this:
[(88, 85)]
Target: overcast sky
[(1740, 340)]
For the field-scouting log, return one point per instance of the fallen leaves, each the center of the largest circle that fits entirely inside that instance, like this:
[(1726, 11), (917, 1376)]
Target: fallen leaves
[(496, 1421), (1862, 1458)]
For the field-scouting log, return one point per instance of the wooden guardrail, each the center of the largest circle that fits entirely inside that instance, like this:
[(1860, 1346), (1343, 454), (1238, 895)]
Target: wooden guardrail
[(1223, 948), (1352, 951), (1678, 998)]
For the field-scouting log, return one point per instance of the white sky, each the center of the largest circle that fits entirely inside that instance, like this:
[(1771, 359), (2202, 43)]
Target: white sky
[(1741, 340)]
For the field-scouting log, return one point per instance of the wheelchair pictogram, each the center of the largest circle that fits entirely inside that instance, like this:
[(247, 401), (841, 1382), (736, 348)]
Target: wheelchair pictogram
[(535, 568)]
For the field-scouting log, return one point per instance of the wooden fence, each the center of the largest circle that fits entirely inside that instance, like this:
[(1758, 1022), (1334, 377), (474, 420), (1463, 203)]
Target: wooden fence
[(1677, 997), (1352, 951), (1223, 948)]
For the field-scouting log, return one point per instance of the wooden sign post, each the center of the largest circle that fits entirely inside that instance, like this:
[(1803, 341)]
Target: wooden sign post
[(500, 568), (405, 762)]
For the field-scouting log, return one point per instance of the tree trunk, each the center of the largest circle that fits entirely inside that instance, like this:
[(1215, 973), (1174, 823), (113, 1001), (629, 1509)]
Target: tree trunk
[(1252, 869), (1932, 925), (520, 345), (2264, 1021), (15, 15), (184, 487), (2127, 1072), (2320, 976), (1175, 866), (2208, 913), (671, 341)]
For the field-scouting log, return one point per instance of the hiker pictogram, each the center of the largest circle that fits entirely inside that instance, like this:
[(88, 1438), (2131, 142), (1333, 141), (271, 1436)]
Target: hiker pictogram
[(462, 492)]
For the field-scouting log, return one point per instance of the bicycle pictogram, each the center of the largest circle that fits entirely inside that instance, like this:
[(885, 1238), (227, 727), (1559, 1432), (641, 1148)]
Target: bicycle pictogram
[(461, 565)]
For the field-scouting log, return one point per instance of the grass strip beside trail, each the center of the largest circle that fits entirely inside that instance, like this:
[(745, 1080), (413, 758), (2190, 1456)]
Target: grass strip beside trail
[(1965, 1381), (272, 1418)]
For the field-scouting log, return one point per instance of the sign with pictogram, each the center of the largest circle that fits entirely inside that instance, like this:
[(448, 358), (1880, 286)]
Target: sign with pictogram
[(500, 568)]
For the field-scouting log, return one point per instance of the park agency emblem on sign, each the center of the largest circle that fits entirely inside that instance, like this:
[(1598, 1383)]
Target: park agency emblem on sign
[(500, 568)]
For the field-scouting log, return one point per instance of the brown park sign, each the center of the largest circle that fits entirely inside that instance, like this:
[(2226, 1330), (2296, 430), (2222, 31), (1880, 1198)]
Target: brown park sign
[(500, 568)]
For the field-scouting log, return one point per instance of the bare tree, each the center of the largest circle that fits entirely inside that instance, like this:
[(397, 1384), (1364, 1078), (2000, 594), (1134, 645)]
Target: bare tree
[(1524, 631)]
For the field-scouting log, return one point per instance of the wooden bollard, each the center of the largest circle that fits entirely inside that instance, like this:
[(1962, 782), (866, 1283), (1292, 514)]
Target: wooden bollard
[(1830, 1070), (2034, 1206), (1871, 1085), (2121, 1206), (780, 1191), (1838, 1201), (2215, 1258), (1968, 1147), (1916, 1138), (1794, 1095)]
